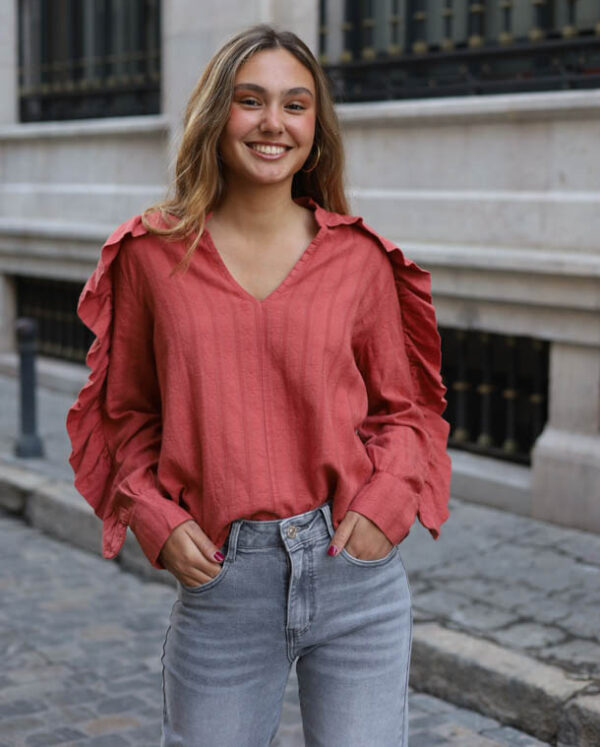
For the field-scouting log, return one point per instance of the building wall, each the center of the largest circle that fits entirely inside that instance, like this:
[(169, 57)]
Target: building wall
[(496, 195)]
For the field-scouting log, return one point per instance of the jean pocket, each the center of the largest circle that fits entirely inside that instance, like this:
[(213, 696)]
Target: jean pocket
[(215, 579), (359, 561), (376, 562)]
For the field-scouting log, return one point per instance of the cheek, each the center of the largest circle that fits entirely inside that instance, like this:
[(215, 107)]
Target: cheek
[(311, 125), (305, 129), (238, 124)]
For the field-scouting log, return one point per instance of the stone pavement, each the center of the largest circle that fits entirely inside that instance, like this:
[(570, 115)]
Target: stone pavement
[(507, 609), (81, 642)]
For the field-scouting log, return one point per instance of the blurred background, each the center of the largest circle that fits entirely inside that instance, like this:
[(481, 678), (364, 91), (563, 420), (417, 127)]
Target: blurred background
[(472, 133)]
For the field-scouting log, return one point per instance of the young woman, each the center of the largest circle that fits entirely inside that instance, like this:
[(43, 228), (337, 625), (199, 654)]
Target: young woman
[(264, 412)]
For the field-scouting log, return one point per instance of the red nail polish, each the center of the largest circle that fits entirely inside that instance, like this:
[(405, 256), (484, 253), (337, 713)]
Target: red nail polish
[(332, 550), (219, 556)]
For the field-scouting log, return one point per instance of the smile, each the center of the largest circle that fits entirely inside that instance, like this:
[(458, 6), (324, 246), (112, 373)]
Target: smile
[(270, 152)]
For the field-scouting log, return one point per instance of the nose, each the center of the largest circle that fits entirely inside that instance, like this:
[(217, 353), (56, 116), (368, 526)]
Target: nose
[(271, 120)]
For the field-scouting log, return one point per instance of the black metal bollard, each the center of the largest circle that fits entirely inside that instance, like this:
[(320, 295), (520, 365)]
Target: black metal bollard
[(29, 443)]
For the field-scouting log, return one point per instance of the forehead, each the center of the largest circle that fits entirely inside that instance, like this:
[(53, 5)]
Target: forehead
[(273, 67)]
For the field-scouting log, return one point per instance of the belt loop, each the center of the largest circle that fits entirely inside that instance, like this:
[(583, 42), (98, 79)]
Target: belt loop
[(326, 511), (233, 539)]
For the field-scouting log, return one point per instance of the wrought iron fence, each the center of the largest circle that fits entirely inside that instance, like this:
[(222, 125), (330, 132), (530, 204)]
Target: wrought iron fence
[(395, 49), (88, 58), (497, 391), (53, 303)]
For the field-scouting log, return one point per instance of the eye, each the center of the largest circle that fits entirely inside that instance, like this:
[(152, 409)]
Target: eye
[(300, 107), (248, 101)]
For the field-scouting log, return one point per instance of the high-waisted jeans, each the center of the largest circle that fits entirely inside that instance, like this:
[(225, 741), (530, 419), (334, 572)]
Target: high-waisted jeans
[(280, 597)]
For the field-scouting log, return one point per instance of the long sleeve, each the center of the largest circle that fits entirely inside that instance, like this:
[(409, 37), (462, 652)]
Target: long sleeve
[(132, 418), (115, 423), (393, 431)]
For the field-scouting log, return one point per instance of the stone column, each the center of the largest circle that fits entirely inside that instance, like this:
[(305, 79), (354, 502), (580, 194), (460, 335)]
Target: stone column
[(566, 458), (8, 306), (9, 101)]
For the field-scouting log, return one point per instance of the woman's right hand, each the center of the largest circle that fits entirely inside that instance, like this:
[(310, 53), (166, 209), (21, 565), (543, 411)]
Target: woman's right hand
[(188, 554)]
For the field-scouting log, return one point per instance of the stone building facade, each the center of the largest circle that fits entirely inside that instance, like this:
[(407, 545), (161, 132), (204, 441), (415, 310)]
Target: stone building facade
[(497, 195)]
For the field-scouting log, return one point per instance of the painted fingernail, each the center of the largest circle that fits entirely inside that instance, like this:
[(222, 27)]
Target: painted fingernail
[(332, 550), (219, 556)]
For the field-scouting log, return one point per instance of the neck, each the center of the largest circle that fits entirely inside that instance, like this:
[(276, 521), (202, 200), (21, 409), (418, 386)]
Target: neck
[(260, 211)]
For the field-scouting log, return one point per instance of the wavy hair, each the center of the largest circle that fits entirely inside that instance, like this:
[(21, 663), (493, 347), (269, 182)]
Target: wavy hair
[(198, 186)]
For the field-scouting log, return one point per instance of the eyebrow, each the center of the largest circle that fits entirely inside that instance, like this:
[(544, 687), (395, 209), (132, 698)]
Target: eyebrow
[(260, 89)]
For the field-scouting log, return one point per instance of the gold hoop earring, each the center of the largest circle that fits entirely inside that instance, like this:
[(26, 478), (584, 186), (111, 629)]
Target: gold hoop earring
[(314, 166)]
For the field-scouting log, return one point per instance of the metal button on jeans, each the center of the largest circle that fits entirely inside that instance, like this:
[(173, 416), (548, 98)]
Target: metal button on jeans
[(291, 532)]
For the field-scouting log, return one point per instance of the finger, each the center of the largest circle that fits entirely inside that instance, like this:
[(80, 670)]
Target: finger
[(209, 550), (189, 564), (194, 578), (199, 567), (342, 533)]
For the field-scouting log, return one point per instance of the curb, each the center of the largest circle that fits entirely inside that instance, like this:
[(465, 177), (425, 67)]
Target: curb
[(511, 687), (57, 509), (463, 669)]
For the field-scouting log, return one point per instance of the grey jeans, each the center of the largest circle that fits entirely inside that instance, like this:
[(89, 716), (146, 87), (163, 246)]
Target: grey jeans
[(279, 597)]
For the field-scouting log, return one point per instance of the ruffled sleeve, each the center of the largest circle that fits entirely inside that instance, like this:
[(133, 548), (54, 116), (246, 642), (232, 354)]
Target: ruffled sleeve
[(422, 345), (115, 424)]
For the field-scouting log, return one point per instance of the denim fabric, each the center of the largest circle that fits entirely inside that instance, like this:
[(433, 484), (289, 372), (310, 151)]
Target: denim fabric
[(279, 597)]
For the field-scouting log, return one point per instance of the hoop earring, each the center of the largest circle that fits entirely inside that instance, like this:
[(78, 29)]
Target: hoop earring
[(314, 166)]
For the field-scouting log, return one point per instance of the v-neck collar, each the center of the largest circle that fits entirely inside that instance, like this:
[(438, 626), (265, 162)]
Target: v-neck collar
[(320, 215)]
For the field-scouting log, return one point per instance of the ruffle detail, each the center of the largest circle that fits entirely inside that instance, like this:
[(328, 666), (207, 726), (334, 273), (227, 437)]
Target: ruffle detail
[(90, 458), (423, 347)]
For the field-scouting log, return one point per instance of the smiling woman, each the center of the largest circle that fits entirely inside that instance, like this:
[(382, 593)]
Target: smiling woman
[(270, 121), (264, 412)]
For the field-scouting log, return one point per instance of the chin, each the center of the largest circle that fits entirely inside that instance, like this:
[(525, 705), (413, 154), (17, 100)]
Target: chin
[(271, 178)]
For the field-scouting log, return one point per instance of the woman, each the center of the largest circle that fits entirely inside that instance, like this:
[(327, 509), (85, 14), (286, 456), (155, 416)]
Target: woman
[(266, 394)]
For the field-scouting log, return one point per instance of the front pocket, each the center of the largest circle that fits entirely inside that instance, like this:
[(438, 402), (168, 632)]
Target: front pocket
[(369, 563), (216, 579), (357, 561)]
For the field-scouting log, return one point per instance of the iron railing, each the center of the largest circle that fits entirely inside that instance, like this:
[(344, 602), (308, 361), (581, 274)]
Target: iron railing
[(396, 49), (497, 391), (80, 59), (53, 303)]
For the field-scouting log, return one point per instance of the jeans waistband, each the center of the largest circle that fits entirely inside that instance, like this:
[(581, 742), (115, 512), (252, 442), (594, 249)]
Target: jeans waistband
[(292, 530)]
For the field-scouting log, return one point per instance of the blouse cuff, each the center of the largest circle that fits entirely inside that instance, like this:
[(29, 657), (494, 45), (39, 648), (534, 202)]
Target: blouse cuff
[(153, 521), (379, 501)]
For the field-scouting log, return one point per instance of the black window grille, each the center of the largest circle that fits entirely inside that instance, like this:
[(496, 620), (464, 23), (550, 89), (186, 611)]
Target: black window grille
[(81, 59), (53, 303), (396, 49), (497, 391)]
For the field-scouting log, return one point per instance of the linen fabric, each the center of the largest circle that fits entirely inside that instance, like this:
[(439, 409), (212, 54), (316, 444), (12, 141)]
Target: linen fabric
[(206, 403)]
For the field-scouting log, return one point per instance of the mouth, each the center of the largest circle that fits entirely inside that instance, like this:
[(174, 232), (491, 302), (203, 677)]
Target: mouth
[(269, 152)]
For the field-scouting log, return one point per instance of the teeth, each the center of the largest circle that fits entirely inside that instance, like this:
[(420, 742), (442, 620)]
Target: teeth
[(268, 149)]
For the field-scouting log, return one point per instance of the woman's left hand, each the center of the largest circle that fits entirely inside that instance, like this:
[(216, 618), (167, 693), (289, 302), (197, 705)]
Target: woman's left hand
[(368, 541)]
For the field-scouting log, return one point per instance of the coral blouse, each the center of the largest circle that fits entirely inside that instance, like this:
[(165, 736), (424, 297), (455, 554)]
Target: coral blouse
[(206, 403)]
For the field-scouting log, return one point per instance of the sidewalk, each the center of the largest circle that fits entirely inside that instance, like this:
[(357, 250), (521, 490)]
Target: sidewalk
[(507, 609), (81, 658)]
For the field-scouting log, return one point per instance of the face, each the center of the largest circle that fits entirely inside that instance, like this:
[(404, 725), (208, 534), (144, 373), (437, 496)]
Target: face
[(271, 125)]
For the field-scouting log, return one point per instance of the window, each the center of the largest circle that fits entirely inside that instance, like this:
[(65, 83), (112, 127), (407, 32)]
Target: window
[(394, 49), (497, 391), (53, 303), (88, 58)]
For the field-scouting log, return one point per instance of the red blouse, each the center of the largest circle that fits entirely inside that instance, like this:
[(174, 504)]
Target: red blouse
[(204, 402)]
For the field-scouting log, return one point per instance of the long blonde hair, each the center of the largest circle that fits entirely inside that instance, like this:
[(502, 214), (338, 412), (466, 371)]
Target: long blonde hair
[(199, 185)]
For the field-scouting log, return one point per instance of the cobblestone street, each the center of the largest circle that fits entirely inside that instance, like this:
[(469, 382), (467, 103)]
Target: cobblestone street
[(81, 642)]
